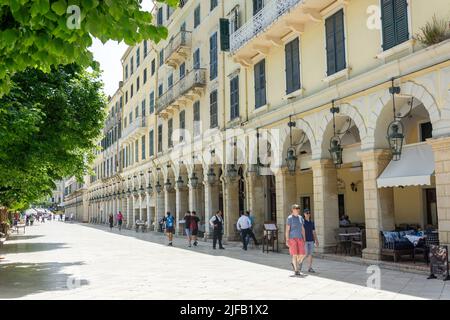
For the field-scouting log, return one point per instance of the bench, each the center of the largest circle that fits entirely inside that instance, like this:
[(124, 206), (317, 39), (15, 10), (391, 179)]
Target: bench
[(18, 226), (394, 244)]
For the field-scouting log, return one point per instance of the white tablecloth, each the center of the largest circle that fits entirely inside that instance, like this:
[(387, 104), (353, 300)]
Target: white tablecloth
[(414, 239)]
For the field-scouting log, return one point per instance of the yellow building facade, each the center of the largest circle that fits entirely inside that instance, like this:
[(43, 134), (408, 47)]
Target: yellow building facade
[(233, 112)]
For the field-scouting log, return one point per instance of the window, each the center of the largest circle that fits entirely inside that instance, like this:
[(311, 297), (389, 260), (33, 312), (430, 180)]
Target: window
[(152, 102), (153, 66), (182, 124), (126, 72), (143, 148), (161, 57), (292, 56), (130, 117), (426, 131), (213, 4), (145, 48), (335, 38), (260, 83), (170, 10), (131, 65), (145, 75), (126, 97), (160, 135), (160, 90), (131, 91), (136, 151), (213, 109), (160, 17), (257, 6), (196, 59), (197, 16), (143, 106), (138, 84), (394, 17), (124, 122), (138, 57), (182, 70), (196, 118), (136, 111), (235, 21), (234, 98), (213, 56), (169, 133), (183, 26), (170, 81), (151, 143)]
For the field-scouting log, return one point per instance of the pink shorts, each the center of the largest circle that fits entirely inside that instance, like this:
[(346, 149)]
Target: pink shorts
[(296, 247)]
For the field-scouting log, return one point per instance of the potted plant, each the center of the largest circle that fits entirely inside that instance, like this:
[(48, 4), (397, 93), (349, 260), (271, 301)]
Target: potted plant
[(434, 31)]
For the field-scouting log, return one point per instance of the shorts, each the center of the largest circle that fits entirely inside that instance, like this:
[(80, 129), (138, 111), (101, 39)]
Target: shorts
[(194, 232), (120, 222), (170, 230), (309, 248), (188, 232), (296, 247)]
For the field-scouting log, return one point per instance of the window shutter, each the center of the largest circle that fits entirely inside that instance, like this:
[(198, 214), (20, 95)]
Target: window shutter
[(296, 64), (262, 85), (340, 41), (331, 49), (401, 21), (288, 70), (256, 77), (224, 34), (387, 17)]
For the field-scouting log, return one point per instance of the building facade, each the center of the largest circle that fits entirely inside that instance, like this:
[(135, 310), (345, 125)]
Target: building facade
[(256, 105)]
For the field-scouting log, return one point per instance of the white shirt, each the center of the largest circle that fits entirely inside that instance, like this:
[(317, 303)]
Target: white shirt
[(243, 223), (211, 221)]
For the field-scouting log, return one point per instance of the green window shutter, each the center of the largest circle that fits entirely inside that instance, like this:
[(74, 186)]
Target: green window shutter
[(388, 22), (331, 48), (289, 71), (340, 41), (224, 34), (401, 21)]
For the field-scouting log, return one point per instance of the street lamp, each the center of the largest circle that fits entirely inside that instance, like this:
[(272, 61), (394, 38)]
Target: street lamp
[(194, 180), (211, 176), (291, 158), (395, 131), (168, 185), (158, 187), (180, 182), (335, 141)]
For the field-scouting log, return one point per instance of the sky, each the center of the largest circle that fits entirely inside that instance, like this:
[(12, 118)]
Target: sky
[(109, 54)]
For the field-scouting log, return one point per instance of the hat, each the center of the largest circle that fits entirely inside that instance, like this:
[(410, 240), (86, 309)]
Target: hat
[(295, 206), (306, 211)]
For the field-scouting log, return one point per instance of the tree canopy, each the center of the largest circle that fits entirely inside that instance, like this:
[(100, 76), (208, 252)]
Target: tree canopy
[(49, 123), (45, 33)]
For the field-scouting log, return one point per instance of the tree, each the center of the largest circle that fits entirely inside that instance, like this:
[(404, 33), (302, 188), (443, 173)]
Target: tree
[(45, 33), (49, 123)]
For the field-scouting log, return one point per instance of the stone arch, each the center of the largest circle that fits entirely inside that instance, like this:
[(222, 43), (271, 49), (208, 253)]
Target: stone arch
[(413, 89)]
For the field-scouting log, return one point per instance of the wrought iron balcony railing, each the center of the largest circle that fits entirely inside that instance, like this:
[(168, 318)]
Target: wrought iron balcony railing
[(260, 21), (178, 48), (195, 79), (138, 123)]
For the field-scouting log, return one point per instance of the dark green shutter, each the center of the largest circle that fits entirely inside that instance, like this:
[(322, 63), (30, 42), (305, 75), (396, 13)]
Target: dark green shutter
[(292, 55), (224, 34), (340, 41), (257, 6), (394, 15), (401, 21), (331, 48), (213, 56), (289, 71)]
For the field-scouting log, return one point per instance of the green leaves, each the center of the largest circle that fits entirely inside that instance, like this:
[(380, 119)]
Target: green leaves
[(59, 7)]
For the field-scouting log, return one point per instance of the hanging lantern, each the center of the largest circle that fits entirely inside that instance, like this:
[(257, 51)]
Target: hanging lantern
[(395, 137), (129, 191), (168, 185), (211, 176), (158, 187), (291, 160), (180, 182), (149, 188), (336, 151), (194, 180), (232, 172)]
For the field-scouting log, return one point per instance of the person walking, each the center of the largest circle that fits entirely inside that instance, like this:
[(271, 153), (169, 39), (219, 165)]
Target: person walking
[(310, 238), (170, 227), (243, 225), (217, 223), (295, 235), (193, 227), (111, 221), (120, 220), (187, 228), (252, 224)]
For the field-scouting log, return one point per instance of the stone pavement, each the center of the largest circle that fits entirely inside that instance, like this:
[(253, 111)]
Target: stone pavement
[(59, 260)]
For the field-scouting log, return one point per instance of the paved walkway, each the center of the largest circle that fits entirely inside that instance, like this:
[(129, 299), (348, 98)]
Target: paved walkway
[(59, 260)]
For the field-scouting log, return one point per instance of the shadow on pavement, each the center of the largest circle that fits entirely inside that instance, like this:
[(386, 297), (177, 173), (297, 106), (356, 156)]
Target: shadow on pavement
[(30, 247), (22, 237), (20, 279)]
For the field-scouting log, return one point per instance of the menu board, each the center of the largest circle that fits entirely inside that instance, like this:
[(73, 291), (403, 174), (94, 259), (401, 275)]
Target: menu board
[(439, 262), (270, 227)]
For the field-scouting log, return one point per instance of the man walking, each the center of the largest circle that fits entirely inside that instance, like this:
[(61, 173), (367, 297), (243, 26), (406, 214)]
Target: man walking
[(187, 224), (193, 227), (295, 235), (170, 230), (310, 238), (217, 223), (252, 225), (243, 225)]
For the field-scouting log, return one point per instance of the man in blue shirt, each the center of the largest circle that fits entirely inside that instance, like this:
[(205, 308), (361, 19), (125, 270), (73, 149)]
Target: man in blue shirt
[(310, 238)]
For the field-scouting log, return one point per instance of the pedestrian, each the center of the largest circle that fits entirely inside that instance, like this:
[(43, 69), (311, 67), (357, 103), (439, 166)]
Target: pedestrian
[(193, 226), (187, 224), (295, 235), (310, 238), (243, 225), (170, 230), (111, 221), (252, 224), (217, 223), (31, 219), (120, 220)]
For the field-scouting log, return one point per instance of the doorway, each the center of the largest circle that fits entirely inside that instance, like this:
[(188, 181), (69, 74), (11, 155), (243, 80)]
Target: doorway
[(431, 205)]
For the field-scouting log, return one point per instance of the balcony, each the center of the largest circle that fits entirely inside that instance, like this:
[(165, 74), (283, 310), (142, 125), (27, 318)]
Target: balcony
[(187, 89), (178, 49), (275, 21), (134, 129)]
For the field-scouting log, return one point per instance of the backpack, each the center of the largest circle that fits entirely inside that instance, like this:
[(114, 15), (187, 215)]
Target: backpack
[(169, 222)]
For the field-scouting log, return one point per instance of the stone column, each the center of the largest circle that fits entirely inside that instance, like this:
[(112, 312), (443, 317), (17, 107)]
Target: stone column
[(128, 199), (231, 208), (286, 196), (182, 205), (140, 207), (159, 208), (326, 206), (211, 204), (256, 201), (114, 209), (378, 203), (441, 150), (193, 199), (147, 200)]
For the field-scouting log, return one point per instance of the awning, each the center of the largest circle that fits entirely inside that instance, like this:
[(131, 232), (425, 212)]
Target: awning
[(413, 169)]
